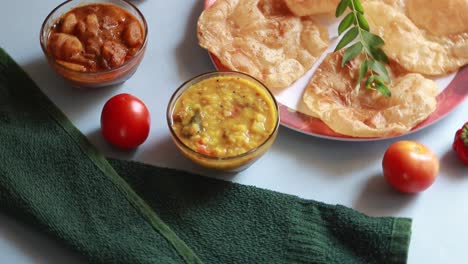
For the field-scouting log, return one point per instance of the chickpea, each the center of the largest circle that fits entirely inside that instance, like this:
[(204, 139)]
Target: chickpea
[(65, 46), (69, 23), (133, 35), (92, 25), (114, 53)]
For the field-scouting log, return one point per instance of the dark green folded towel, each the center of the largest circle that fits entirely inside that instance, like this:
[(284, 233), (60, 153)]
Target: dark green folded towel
[(114, 211)]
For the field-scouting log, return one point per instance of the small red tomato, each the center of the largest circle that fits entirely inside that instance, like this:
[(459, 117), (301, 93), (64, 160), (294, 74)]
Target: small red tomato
[(409, 166), (460, 143), (125, 121)]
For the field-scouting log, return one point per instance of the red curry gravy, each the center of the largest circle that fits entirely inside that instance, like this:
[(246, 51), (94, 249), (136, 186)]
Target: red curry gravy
[(95, 37)]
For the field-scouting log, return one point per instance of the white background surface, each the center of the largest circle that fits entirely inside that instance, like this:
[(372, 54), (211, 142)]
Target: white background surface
[(330, 171)]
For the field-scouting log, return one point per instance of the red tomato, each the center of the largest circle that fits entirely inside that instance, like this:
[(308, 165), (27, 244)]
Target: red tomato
[(125, 121), (409, 166)]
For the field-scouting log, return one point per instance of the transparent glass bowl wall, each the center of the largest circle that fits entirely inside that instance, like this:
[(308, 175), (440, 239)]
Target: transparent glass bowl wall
[(234, 163)]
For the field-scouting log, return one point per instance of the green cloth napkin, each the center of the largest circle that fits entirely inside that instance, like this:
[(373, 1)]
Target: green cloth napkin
[(115, 211)]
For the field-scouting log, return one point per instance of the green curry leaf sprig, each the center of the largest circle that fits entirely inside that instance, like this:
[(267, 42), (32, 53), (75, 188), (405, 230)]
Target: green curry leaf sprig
[(356, 26)]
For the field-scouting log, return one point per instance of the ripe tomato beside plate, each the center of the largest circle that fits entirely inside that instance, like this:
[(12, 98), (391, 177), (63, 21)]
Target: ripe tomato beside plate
[(449, 98)]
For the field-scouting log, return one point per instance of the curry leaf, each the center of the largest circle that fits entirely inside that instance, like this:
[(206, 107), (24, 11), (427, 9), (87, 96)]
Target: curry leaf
[(362, 71), (362, 22), (342, 7), (346, 23), (380, 69), (383, 89), (370, 82), (379, 55), (367, 43), (378, 83), (379, 79), (371, 40), (347, 38), (358, 6), (351, 53)]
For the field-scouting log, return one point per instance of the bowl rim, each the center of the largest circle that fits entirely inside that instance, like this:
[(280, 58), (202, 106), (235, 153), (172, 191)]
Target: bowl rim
[(136, 56), (174, 99)]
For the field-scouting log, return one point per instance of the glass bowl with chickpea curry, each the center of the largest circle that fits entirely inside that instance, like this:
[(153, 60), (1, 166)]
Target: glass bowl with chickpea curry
[(223, 120), (94, 43)]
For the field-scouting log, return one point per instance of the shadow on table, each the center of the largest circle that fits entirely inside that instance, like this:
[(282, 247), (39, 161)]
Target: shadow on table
[(75, 102), (378, 198), (336, 158), (97, 139), (453, 166), (164, 153), (35, 246), (189, 55), (136, 2)]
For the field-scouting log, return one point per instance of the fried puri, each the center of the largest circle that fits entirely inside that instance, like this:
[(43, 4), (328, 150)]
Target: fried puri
[(333, 97), (262, 38)]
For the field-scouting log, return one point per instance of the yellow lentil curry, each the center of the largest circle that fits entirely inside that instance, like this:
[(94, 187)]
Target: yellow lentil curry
[(224, 116)]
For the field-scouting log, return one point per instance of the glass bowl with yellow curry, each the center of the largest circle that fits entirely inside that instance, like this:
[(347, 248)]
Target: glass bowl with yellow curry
[(223, 120)]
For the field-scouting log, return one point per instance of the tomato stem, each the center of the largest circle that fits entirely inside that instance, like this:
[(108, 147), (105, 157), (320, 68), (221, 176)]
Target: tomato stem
[(464, 134)]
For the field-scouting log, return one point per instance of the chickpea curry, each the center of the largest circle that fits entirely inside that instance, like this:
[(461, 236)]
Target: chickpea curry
[(95, 37), (224, 116)]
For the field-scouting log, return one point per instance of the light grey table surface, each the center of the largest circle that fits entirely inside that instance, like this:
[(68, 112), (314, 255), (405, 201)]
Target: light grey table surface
[(347, 173)]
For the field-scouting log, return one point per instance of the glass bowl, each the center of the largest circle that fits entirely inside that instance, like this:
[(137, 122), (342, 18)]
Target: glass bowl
[(232, 163), (101, 78)]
